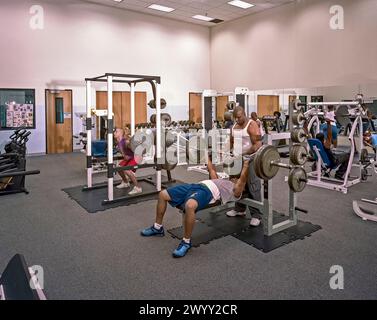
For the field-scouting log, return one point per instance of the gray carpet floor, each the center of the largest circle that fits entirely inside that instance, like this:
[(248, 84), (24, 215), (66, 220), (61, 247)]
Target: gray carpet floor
[(102, 256)]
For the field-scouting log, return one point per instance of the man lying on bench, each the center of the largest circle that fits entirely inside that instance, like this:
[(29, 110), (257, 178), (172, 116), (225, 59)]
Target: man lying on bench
[(194, 198)]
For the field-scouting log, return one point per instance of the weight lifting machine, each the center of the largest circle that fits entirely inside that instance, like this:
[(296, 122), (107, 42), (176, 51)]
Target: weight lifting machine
[(132, 81), (266, 164), (316, 178), (366, 209)]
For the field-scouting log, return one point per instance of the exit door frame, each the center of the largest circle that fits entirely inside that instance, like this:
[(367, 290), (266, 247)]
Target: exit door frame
[(46, 126)]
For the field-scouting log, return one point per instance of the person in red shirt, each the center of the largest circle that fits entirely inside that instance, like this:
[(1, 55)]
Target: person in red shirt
[(123, 138)]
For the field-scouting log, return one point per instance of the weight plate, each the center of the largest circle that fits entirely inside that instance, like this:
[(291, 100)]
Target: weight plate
[(298, 119), (298, 155), (231, 105), (266, 155), (364, 174), (297, 105), (298, 136), (297, 180), (152, 104)]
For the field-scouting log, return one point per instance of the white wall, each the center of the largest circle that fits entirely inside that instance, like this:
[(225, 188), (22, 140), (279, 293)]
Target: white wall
[(85, 40), (292, 46)]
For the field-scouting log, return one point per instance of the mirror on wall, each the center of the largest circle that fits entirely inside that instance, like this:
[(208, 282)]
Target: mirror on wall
[(266, 102)]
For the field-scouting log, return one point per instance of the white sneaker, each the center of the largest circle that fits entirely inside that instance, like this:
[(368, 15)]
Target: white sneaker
[(135, 190), (254, 222), (123, 185), (234, 213)]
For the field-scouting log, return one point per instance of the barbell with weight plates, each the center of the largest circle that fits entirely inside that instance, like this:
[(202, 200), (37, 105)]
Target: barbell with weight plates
[(152, 104), (298, 118), (298, 155), (267, 163), (299, 136)]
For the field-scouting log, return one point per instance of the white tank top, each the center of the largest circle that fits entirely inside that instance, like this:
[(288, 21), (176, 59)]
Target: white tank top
[(243, 135)]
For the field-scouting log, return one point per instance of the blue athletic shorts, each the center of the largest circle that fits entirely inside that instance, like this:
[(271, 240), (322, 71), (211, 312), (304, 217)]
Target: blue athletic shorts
[(181, 194)]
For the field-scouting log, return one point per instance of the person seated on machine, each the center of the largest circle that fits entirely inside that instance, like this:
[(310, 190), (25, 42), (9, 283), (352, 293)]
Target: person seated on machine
[(194, 198), (339, 160), (123, 138), (254, 117), (330, 116)]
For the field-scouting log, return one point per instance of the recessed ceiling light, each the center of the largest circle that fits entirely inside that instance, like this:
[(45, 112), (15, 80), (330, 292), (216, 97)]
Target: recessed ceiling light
[(160, 8), (204, 18), (118, 0), (241, 4)]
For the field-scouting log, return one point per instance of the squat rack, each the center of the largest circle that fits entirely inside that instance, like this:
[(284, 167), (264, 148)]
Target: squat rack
[(131, 80)]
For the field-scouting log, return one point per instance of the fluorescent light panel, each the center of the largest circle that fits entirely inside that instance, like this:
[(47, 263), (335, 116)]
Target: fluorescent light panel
[(160, 8), (241, 4), (203, 18)]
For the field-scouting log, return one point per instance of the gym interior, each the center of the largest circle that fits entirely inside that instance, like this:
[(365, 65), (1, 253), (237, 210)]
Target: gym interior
[(188, 150)]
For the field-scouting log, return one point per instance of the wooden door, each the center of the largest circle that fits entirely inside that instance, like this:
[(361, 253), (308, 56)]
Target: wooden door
[(101, 104), (195, 107), (122, 107), (267, 105), (59, 135), (140, 108), (221, 108)]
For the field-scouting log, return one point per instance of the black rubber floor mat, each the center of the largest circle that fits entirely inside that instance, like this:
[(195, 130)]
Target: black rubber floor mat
[(202, 234), (214, 225), (91, 201), (256, 237), (223, 223)]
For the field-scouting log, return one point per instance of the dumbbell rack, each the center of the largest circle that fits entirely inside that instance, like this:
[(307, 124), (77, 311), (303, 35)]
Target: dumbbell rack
[(265, 205)]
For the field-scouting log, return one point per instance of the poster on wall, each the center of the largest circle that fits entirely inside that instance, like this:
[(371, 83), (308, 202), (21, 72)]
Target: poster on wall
[(17, 109)]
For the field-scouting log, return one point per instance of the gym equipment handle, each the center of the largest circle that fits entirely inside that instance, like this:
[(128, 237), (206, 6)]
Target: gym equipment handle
[(301, 210), (19, 173)]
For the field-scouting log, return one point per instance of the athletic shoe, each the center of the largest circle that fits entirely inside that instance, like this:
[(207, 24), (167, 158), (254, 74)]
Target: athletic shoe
[(153, 232), (234, 213), (123, 185), (254, 222), (135, 190), (182, 249)]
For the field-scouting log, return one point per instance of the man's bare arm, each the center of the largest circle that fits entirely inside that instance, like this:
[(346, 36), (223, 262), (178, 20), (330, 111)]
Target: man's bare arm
[(212, 170), (255, 137), (239, 186)]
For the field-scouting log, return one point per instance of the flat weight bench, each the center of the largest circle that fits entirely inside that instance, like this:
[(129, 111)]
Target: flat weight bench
[(15, 282), (211, 206)]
